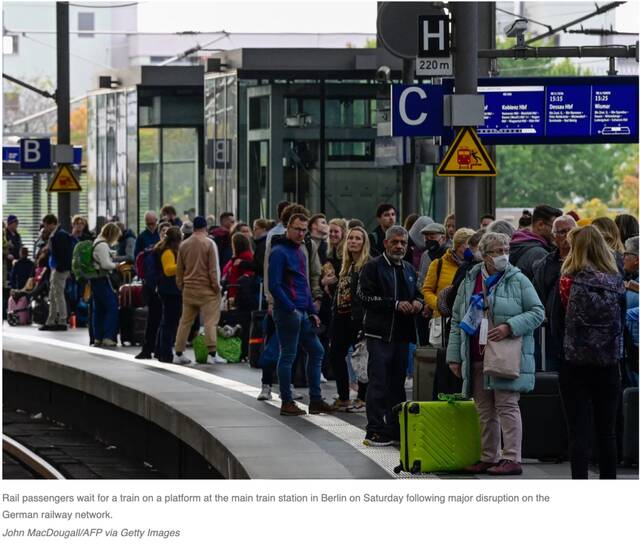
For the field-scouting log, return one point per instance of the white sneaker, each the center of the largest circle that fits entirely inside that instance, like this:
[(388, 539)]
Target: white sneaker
[(408, 383), (181, 360), (216, 359), (109, 343), (294, 394), (323, 380), (265, 393)]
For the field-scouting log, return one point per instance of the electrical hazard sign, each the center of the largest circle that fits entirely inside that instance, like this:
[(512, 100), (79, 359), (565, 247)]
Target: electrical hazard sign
[(64, 181), (467, 157)]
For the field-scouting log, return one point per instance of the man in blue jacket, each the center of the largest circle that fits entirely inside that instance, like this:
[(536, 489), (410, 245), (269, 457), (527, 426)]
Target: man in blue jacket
[(60, 252), (295, 316)]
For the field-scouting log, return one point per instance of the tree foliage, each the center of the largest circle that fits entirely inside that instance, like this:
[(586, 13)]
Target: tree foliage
[(557, 174)]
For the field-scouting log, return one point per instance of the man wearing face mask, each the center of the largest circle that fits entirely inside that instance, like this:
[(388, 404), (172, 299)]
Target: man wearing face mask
[(391, 299), (435, 246)]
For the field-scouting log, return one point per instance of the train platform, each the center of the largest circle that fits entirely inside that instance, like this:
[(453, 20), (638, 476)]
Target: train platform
[(214, 410)]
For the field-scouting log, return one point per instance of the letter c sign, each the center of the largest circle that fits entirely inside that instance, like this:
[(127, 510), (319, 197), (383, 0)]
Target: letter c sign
[(403, 106), (416, 110)]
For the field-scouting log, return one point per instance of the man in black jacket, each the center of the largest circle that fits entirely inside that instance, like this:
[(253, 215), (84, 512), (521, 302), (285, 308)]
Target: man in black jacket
[(546, 278), (386, 215), (391, 299), (60, 251)]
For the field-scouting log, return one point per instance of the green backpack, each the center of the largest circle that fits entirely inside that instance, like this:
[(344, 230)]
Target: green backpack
[(82, 264)]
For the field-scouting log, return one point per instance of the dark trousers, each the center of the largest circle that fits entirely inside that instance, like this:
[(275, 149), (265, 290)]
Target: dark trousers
[(387, 372), (344, 334), (591, 393), (171, 311), (154, 305)]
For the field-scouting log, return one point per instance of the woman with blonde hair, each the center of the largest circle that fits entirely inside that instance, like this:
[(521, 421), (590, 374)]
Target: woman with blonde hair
[(104, 302), (592, 292), (611, 234), (347, 314)]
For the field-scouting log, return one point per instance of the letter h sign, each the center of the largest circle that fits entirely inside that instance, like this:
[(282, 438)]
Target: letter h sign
[(433, 36)]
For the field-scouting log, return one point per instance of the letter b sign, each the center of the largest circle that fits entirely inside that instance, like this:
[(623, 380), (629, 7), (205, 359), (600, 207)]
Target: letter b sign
[(35, 154)]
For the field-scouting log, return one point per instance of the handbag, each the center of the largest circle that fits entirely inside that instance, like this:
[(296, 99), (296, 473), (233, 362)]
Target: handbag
[(502, 358), (360, 360), (435, 331)]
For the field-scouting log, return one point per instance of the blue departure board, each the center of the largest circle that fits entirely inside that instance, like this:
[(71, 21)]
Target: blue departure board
[(559, 110)]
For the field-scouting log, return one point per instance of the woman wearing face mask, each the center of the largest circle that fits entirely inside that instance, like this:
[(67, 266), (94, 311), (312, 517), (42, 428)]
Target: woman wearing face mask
[(440, 276), (515, 311)]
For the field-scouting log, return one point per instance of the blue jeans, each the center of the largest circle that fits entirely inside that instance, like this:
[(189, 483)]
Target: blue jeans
[(293, 328), (104, 317), (171, 310)]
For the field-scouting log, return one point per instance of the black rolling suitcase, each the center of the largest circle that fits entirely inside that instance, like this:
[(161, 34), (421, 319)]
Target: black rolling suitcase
[(544, 429), (425, 361), (630, 426)]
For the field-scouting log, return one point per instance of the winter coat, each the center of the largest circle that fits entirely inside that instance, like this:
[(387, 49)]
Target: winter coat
[(516, 303), (433, 283), (376, 239), (526, 249), (146, 239), (233, 272), (378, 292), (60, 250)]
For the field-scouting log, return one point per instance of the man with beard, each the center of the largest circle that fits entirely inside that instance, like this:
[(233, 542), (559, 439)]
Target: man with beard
[(391, 299)]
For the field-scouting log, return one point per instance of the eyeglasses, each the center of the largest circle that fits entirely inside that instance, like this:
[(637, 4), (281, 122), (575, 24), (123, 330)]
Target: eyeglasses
[(629, 254), (561, 232)]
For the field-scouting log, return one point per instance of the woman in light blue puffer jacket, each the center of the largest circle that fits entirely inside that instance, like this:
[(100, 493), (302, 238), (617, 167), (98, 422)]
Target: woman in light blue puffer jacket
[(516, 311)]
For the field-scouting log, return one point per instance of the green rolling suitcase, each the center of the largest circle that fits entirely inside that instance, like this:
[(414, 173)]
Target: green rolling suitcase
[(438, 435)]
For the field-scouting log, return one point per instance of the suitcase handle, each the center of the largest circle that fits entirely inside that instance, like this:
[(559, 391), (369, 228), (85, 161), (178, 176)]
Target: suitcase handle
[(451, 398)]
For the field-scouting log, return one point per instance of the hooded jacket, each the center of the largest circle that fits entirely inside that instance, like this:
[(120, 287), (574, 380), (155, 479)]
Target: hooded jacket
[(416, 241), (516, 303), (288, 277), (525, 249)]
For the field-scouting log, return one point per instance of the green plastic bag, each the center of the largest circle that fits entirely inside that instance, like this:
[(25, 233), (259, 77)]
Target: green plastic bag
[(200, 349), (230, 348)]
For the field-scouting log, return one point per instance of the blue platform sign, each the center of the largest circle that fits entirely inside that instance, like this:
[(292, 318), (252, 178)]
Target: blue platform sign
[(416, 110), (12, 154), (35, 153)]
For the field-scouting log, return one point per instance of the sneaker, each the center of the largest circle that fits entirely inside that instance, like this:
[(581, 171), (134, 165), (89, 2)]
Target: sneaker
[(341, 406), (358, 406), (408, 383), (505, 467), (265, 393), (323, 379), (216, 359), (97, 342), (181, 359), (60, 327), (478, 468), (377, 440), (317, 406), (45, 327), (144, 356), (295, 394), (109, 343), (289, 408)]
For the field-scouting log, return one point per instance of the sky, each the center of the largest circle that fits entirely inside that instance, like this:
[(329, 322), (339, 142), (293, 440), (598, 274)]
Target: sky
[(299, 16)]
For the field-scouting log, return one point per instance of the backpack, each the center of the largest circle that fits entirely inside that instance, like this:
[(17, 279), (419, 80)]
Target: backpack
[(148, 268), (82, 263), (594, 322)]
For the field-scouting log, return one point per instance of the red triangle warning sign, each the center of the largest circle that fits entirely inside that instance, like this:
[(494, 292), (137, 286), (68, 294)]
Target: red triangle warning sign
[(467, 157), (64, 181)]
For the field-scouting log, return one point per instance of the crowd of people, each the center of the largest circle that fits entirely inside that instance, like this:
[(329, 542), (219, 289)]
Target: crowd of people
[(557, 292)]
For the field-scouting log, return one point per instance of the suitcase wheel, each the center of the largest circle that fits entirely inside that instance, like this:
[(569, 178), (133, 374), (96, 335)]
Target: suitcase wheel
[(397, 469), (13, 319), (414, 408), (415, 468)]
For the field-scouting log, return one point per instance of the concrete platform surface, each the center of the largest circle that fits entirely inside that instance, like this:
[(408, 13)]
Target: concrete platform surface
[(213, 409)]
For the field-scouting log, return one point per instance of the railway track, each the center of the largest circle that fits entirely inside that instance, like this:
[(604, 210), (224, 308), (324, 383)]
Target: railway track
[(36, 465)]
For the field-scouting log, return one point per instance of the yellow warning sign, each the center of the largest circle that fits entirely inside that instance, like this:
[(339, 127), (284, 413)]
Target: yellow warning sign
[(64, 180), (467, 157)]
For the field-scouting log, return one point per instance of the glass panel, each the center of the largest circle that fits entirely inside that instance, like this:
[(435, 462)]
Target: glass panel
[(121, 157), (351, 112), (91, 160), (132, 161), (111, 156), (180, 170), (259, 112), (301, 173), (101, 153), (301, 112), (350, 150), (259, 179), (149, 171)]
